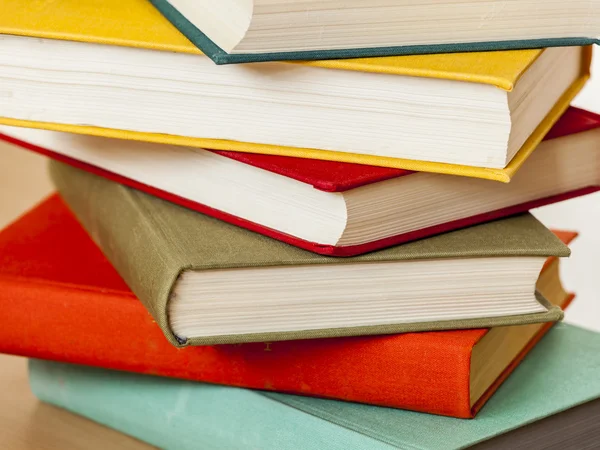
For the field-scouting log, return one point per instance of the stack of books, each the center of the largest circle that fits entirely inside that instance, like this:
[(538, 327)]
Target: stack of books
[(326, 253)]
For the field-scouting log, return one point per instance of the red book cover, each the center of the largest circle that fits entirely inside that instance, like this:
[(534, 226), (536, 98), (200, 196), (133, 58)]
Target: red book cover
[(338, 177), (60, 299)]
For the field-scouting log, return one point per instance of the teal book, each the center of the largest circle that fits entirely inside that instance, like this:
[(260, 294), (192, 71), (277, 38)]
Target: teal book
[(560, 374), (232, 32)]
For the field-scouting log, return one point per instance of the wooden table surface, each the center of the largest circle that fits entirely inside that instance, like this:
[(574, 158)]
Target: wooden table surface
[(25, 423)]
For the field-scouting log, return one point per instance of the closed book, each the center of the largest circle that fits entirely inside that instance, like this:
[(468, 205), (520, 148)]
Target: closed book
[(53, 277), (320, 30), (468, 114), (575, 428), (336, 209), (561, 373), (209, 282)]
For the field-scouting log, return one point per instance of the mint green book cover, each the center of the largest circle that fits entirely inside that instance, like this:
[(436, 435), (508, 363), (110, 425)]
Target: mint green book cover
[(562, 372), (220, 56)]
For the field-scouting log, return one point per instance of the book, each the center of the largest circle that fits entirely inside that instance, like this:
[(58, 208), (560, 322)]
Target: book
[(469, 114), (208, 282), (256, 31), (330, 208), (45, 286), (577, 427), (560, 373)]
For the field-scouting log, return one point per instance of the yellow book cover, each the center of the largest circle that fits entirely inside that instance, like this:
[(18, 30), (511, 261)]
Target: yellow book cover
[(135, 23)]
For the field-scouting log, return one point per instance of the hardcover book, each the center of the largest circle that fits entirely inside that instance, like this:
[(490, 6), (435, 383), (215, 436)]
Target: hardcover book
[(209, 282), (578, 427), (53, 277), (258, 30), (561, 373), (469, 114), (336, 209)]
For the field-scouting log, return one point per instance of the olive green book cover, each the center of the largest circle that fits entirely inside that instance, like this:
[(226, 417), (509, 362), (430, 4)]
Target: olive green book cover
[(151, 242), (220, 56)]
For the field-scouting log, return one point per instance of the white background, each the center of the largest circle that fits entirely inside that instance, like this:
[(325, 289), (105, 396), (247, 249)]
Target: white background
[(581, 272)]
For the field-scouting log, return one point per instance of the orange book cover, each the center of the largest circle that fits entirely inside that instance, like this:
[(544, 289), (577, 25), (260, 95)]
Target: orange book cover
[(60, 299)]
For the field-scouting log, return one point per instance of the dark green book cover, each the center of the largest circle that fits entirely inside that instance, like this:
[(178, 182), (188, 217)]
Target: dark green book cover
[(152, 242), (219, 56)]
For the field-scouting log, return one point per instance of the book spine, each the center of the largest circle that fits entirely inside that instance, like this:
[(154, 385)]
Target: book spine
[(181, 415), (414, 371), (127, 233)]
